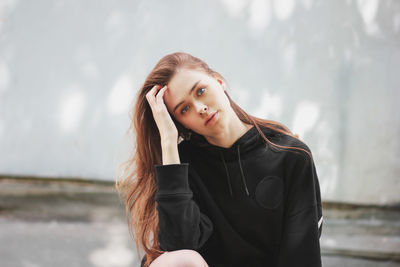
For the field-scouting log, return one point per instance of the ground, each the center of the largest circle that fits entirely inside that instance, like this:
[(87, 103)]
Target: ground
[(75, 223)]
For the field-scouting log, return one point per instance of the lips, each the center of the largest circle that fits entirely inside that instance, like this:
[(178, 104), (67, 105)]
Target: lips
[(210, 117)]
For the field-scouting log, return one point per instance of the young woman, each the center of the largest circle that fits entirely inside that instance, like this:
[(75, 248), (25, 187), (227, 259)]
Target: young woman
[(211, 185)]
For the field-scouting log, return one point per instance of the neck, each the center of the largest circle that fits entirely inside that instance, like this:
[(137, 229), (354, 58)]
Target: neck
[(232, 132)]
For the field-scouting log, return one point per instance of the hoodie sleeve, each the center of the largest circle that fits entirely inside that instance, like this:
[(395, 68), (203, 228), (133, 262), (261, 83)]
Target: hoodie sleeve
[(302, 227), (181, 224)]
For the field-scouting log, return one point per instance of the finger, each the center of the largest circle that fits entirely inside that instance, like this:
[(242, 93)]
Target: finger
[(157, 103), (163, 87), (160, 93), (153, 91), (150, 96)]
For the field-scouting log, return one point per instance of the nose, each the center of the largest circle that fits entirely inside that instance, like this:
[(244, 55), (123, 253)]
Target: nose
[(201, 108)]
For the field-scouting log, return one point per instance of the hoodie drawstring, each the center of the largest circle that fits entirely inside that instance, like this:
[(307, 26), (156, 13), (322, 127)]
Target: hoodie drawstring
[(227, 175), (241, 172)]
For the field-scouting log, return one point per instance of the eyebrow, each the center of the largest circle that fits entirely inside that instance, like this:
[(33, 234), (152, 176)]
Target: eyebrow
[(190, 92)]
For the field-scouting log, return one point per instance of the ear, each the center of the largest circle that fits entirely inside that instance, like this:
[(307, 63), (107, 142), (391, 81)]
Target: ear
[(221, 82)]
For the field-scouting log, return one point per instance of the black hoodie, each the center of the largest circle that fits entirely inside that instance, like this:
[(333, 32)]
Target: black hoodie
[(247, 205)]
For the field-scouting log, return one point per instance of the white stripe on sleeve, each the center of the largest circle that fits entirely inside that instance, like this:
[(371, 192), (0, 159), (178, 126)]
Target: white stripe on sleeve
[(320, 222)]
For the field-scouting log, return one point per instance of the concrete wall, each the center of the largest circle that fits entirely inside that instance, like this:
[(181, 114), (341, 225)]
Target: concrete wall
[(329, 70)]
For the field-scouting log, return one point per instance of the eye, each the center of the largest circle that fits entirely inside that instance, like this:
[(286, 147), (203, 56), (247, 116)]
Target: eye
[(201, 91), (184, 110)]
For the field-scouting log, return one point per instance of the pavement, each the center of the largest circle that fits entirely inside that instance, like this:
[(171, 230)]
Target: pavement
[(52, 222)]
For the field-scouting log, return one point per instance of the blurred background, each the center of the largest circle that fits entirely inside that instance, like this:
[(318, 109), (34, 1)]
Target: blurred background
[(69, 72)]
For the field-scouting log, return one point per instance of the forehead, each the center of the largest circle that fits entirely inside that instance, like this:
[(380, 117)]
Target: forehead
[(184, 79)]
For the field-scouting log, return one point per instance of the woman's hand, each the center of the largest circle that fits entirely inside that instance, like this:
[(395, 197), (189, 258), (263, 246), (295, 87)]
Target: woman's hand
[(165, 124)]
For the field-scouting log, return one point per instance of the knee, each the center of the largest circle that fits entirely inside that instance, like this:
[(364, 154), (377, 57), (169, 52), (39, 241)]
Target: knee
[(187, 258), (180, 258)]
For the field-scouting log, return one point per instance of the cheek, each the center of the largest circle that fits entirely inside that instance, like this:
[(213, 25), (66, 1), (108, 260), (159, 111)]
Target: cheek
[(185, 122), (190, 122), (220, 99)]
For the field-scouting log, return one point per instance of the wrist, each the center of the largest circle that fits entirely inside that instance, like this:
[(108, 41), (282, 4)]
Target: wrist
[(169, 142)]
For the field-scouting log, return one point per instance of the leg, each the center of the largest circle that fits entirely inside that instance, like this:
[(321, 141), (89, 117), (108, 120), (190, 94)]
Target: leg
[(180, 258)]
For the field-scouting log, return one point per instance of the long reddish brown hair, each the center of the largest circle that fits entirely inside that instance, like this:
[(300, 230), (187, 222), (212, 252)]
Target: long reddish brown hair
[(137, 184)]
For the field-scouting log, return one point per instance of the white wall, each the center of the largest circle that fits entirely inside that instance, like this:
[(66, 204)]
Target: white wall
[(329, 70)]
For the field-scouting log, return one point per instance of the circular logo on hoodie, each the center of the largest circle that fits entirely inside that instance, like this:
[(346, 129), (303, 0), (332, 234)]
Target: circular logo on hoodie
[(269, 192)]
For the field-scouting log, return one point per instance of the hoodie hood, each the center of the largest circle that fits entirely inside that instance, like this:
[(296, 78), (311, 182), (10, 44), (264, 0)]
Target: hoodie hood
[(240, 149)]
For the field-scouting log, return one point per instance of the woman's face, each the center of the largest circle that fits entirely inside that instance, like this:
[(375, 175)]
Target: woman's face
[(192, 107)]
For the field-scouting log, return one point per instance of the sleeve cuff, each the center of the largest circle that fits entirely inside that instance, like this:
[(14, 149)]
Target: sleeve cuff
[(172, 178)]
